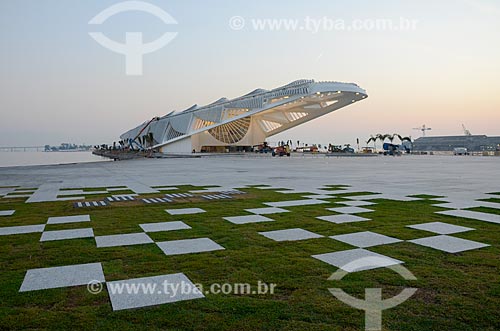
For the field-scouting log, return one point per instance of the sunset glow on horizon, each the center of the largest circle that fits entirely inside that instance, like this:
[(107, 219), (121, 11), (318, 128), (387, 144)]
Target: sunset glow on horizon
[(58, 84)]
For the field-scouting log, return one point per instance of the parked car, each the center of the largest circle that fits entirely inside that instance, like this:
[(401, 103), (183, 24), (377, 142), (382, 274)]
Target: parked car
[(460, 151)]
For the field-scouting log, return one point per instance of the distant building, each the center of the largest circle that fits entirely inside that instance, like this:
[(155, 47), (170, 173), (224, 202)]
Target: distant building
[(474, 143), (238, 124)]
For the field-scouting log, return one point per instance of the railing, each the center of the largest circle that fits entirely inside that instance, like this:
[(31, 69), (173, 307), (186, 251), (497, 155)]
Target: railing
[(21, 149)]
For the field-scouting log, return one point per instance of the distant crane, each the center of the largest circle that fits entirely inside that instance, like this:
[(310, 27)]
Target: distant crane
[(424, 128), (466, 131)]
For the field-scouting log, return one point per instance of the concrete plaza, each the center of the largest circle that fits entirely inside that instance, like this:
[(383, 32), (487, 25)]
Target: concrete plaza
[(457, 178)]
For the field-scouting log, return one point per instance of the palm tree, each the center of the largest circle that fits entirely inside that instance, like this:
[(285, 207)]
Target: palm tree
[(403, 139), (374, 139), (398, 136), (382, 137)]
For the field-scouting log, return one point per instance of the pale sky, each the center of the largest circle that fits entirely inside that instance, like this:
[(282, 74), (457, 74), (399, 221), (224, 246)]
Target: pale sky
[(58, 85)]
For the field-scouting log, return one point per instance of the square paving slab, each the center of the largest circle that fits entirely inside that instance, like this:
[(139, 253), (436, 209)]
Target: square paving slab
[(440, 228), (267, 210), (290, 191), (383, 196), (343, 218), (293, 203), (357, 203), (357, 260), (5, 231), (318, 196), (166, 188), (185, 211), (269, 188), (67, 234), (459, 205), (448, 244), (350, 210), (475, 215), (290, 235), (490, 204), (365, 197), (166, 289), (123, 240), (72, 275), (7, 212), (68, 219), (248, 219), (186, 246), (114, 189), (164, 226), (365, 239)]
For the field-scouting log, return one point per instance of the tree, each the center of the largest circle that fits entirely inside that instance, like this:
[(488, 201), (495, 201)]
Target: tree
[(383, 137), (409, 139), (398, 136), (372, 139)]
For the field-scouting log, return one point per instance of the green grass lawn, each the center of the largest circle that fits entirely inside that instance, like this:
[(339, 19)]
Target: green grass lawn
[(456, 291)]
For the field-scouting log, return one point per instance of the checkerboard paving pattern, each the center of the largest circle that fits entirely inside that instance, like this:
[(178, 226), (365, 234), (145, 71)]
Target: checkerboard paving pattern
[(352, 260)]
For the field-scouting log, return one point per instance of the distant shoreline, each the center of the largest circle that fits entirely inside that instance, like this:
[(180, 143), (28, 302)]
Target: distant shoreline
[(42, 158)]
